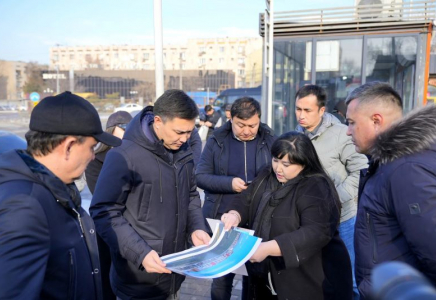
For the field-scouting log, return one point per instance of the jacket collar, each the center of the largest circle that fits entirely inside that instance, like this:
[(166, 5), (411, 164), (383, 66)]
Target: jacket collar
[(328, 120), (414, 133), (140, 132)]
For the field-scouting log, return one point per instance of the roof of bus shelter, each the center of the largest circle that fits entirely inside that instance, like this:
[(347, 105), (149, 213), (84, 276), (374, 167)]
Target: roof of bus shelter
[(414, 16)]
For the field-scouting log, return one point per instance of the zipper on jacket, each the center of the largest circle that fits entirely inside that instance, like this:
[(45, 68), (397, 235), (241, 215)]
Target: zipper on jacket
[(173, 278), (373, 240), (71, 287), (80, 220), (245, 161)]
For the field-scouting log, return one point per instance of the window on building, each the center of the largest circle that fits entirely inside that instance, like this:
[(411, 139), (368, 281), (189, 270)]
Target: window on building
[(56, 57), (241, 72), (241, 61), (146, 55), (71, 56), (202, 61), (240, 49), (202, 49), (116, 55), (221, 60), (182, 55), (221, 49)]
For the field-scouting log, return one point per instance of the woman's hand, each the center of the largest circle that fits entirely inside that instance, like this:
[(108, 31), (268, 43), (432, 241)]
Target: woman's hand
[(270, 248), (232, 218)]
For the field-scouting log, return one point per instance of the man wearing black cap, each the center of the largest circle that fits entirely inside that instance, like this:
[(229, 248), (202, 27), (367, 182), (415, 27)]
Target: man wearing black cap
[(48, 244)]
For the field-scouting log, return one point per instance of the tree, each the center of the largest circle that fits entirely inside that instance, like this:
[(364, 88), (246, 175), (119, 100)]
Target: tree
[(34, 81)]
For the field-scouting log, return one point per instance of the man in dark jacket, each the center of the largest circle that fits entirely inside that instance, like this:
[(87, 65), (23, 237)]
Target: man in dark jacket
[(146, 203), (212, 118), (48, 245), (231, 159), (397, 195)]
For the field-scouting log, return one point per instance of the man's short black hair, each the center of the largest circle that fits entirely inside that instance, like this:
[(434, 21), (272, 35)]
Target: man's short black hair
[(244, 108), (315, 90), (175, 104), (208, 108)]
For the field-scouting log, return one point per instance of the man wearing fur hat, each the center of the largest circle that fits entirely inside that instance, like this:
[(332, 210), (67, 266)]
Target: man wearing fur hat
[(397, 194)]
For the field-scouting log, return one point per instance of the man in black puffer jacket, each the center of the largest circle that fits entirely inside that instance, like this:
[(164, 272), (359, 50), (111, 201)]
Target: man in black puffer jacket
[(146, 203), (397, 195)]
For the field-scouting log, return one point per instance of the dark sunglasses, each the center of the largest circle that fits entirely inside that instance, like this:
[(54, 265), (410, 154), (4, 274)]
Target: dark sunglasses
[(122, 126)]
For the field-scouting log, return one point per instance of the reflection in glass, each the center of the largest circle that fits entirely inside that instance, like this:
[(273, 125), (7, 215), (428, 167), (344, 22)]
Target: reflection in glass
[(393, 60), (338, 68), (292, 70)]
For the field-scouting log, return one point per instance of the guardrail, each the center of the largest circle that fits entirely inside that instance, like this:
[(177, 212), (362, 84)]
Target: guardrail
[(416, 14)]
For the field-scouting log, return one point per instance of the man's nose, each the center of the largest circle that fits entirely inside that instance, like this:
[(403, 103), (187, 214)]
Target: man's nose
[(348, 130)]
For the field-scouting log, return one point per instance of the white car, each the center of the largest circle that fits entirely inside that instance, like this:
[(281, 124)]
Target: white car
[(130, 107)]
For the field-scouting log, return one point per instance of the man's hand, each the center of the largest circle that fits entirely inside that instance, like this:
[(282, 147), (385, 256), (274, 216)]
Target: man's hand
[(238, 185), (208, 124), (200, 237), (232, 218), (270, 248), (201, 123), (153, 264)]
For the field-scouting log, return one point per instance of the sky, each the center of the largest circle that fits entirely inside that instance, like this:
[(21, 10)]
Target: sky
[(28, 28)]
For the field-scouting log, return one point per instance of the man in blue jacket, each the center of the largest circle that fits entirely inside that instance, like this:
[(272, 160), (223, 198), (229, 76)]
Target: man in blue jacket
[(397, 195), (231, 159), (48, 246), (146, 203)]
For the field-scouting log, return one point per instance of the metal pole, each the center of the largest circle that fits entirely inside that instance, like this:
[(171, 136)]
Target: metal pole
[(271, 64), (57, 79), (180, 72), (71, 80), (208, 99), (158, 48)]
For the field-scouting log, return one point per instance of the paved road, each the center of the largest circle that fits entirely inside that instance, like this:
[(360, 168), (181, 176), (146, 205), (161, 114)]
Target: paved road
[(192, 289)]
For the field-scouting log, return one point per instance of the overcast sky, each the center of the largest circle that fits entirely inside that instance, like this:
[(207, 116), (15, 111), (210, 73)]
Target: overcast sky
[(28, 28)]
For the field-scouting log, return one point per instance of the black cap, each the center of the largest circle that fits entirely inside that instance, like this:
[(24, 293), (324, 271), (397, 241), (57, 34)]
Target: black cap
[(118, 118), (70, 114)]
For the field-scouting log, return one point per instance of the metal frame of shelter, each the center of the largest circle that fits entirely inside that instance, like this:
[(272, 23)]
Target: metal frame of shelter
[(375, 20)]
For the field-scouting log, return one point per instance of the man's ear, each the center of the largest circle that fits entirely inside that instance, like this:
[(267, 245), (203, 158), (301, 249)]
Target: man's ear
[(322, 110), (378, 121), (66, 147), (158, 121)]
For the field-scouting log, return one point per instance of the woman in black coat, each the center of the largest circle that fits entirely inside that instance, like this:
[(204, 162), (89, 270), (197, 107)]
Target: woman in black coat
[(295, 209)]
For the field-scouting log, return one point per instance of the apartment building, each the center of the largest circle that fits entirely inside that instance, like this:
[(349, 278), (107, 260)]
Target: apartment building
[(12, 79), (231, 54)]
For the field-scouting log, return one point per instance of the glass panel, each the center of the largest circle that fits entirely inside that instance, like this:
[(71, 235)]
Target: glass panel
[(292, 70), (393, 60), (338, 68)]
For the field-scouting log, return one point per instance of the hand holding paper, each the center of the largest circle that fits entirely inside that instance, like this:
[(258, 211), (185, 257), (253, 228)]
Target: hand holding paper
[(153, 264), (232, 218), (200, 237)]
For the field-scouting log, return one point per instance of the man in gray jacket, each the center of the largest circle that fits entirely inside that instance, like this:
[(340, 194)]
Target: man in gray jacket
[(337, 154)]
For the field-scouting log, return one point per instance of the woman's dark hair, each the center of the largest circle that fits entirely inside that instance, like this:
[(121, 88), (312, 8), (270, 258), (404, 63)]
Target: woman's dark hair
[(300, 150), (175, 104), (103, 147)]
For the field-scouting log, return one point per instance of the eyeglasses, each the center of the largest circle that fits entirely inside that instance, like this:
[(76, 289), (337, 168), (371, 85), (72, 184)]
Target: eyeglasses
[(122, 126)]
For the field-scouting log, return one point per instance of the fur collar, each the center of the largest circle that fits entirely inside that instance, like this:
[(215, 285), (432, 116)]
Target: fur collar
[(414, 133)]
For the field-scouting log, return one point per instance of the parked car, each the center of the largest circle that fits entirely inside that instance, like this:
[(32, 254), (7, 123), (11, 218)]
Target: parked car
[(130, 107)]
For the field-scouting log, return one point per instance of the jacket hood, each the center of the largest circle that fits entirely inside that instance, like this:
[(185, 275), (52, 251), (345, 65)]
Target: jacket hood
[(139, 131), (328, 120), (414, 133), (19, 165), (222, 132)]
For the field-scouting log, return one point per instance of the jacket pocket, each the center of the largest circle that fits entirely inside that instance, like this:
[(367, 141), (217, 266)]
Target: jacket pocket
[(372, 237), (144, 198), (73, 272)]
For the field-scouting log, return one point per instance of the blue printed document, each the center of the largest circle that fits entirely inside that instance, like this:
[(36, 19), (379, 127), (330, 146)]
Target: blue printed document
[(226, 252)]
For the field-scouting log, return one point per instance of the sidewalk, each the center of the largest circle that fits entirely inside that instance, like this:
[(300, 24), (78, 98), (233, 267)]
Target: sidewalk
[(199, 289)]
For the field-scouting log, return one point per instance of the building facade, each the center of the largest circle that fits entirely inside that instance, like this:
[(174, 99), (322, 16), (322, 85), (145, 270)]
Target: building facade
[(12, 80), (229, 54)]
